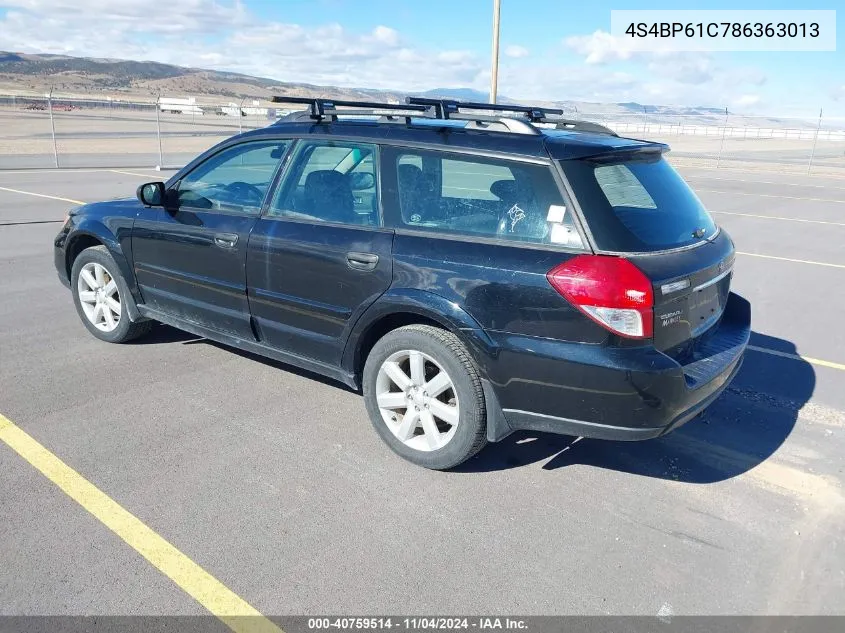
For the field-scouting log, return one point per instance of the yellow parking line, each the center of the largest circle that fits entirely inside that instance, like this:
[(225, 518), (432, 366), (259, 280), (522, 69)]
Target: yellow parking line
[(777, 217), (42, 195), (232, 610), (789, 259), (812, 361), (770, 195)]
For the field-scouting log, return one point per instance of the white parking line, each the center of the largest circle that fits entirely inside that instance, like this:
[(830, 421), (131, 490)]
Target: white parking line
[(42, 195), (66, 170), (812, 361), (762, 182), (789, 259), (777, 217), (779, 172), (132, 173), (771, 195)]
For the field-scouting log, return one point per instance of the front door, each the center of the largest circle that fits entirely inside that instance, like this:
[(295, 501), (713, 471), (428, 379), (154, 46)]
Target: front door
[(190, 259), (319, 257)]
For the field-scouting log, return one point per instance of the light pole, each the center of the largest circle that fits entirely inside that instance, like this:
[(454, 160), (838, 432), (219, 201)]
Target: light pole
[(494, 70)]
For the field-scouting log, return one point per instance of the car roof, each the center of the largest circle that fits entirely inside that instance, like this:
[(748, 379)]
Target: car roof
[(559, 144)]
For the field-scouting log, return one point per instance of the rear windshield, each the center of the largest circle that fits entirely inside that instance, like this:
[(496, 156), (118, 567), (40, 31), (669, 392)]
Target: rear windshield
[(637, 204)]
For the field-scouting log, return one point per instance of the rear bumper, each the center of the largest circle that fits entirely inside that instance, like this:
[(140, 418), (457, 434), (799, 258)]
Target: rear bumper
[(611, 393)]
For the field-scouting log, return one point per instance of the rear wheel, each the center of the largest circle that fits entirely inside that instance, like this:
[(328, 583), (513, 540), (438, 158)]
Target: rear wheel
[(100, 295), (424, 396)]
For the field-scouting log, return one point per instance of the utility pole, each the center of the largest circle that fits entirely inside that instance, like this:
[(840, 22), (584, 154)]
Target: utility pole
[(53, 127), (494, 70)]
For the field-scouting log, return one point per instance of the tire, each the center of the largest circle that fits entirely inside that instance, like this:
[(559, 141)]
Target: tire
[(389, 402), (89, 264)]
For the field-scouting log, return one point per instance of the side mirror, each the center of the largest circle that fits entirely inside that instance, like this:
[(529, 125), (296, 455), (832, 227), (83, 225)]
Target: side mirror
[(151, 194), (361, 181)]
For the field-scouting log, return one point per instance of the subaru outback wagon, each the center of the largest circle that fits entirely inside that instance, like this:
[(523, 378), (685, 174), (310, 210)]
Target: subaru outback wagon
[(474, 269)]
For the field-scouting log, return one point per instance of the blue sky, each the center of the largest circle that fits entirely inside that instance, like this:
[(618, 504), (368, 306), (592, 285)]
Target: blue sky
[(551, 49)]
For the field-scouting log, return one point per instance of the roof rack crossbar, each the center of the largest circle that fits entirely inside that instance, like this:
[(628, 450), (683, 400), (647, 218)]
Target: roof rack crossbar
[(322, 108), (447, 108)]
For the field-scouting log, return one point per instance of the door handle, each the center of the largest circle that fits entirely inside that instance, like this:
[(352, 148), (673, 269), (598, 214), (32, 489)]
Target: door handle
[(362, 261), (226, 240)]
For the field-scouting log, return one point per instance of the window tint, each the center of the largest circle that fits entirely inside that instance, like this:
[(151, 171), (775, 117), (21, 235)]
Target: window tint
[(487, 197), (234, 180), (638, 204), (330, 182)]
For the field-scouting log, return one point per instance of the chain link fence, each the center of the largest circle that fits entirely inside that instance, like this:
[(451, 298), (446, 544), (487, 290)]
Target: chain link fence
[(728, 140), (72, 133), (51, 131)]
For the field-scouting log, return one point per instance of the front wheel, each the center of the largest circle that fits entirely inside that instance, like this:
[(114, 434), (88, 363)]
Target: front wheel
[(100, 295), (424, 396)]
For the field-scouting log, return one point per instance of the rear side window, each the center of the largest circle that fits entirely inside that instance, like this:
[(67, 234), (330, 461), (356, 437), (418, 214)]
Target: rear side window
[(637, 204), (468, 195)]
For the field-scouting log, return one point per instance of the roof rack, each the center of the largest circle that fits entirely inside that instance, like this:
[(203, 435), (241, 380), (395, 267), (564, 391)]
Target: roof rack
[(451, 109), (429, 108), (329, 108)]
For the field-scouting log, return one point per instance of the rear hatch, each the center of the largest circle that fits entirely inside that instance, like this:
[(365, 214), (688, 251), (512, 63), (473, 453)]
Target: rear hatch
[(637, 206)]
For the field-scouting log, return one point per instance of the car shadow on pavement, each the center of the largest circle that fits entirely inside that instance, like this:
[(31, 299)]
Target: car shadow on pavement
[(743, 428), (275, 364), (161, 334)]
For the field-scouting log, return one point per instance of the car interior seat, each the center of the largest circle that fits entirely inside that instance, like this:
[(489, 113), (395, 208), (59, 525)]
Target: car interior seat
[(328, 195)]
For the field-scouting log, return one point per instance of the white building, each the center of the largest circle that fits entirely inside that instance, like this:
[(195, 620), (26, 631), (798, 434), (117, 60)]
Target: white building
[(179, 106)]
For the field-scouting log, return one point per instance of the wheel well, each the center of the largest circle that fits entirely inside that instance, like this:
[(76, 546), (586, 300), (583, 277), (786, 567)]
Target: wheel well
[(383, 326), (76, 247)]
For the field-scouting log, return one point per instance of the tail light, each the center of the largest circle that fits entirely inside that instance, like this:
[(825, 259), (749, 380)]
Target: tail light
[(610, 290)]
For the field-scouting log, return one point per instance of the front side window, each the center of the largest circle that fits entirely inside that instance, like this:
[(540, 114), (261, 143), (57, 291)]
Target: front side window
[(330, 182), (234, 180), (637, 203), (460, 194)]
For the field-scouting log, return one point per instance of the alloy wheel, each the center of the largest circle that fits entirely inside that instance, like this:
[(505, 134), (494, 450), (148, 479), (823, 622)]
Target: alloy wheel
[(99, 296), (417, 400)]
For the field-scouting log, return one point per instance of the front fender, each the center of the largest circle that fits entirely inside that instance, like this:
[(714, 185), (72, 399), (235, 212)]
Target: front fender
[(115, 234)]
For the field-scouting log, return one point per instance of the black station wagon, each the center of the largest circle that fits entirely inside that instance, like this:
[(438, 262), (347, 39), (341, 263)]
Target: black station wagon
[(474, 269)]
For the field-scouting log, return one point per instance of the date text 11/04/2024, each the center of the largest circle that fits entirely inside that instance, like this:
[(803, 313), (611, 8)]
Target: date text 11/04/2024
[(417, 623)]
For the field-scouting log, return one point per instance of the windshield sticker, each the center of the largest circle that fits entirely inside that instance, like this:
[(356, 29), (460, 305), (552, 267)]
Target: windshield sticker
[(516, 215)]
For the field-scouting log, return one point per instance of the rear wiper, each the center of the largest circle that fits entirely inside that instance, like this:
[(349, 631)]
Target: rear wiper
[(699, 233)]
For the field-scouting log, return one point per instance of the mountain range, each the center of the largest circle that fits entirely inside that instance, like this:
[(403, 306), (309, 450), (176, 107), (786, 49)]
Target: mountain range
[(85, 76)]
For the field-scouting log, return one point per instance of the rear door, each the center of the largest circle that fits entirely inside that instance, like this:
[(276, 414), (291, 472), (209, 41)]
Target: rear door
[(190, 258), (635, 204), (320, 255)]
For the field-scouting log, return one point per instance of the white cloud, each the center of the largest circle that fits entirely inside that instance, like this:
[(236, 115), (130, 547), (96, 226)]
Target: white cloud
[(225, 35), (516, 51), (386, 35), (600, 47), (668, 77), (747, 100)]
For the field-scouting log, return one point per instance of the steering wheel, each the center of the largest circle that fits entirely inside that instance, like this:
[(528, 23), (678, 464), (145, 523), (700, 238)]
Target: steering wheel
[(250, 193)]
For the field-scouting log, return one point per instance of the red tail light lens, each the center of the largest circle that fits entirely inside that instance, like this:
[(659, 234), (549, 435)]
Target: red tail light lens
[(610, 290)]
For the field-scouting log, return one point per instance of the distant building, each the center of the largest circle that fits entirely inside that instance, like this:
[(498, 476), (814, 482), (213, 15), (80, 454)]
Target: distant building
[(233, 109), (179, 106)]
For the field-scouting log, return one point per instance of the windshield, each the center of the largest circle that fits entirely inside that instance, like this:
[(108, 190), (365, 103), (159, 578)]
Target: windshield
[(637, 203)]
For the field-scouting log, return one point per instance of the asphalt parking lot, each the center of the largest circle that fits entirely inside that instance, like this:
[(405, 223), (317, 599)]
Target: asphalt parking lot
[(273, 481)]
